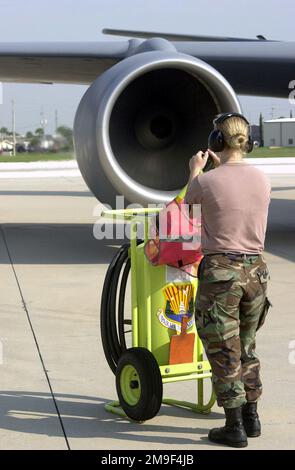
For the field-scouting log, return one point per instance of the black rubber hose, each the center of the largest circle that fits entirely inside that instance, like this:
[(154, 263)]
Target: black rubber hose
[(107, 318), (121, 308), (112, 314), (112, 322)]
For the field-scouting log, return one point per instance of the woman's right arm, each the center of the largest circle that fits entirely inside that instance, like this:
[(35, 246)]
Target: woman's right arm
[(197, 164)]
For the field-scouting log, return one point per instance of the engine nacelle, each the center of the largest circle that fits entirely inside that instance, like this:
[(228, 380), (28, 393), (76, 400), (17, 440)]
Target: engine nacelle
[(140, 122)]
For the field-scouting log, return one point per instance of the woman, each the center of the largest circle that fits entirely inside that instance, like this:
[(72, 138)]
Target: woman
[(231, 302)]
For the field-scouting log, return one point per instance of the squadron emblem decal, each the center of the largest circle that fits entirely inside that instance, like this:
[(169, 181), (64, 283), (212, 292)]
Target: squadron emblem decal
[(179, 301)]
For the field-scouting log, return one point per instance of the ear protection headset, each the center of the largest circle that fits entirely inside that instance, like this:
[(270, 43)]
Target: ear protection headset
[(216, 140)]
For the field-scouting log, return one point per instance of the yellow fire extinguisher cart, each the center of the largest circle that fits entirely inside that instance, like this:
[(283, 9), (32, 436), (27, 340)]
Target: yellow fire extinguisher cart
[(160, 294)]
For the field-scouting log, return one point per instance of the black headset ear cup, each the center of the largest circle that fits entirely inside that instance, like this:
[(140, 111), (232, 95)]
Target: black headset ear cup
[(250, 144), (216, 141)]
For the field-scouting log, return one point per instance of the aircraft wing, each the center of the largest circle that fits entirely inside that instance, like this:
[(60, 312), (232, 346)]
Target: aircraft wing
[(58, 62), (253, 67), (261, 68)]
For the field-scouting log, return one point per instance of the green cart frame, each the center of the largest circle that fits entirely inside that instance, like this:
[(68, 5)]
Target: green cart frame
[(145, 333)]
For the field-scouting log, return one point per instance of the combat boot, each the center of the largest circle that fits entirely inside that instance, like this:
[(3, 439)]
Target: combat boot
[(251, 421), (233, 433)]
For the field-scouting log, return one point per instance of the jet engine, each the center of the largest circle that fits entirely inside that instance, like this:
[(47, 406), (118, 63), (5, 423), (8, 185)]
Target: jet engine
[(139, 123)]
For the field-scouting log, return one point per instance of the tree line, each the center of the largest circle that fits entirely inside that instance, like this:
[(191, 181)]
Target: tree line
[(35, 138)]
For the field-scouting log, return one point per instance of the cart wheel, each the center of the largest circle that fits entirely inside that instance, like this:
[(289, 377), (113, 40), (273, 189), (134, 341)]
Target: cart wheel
[(139, 384)]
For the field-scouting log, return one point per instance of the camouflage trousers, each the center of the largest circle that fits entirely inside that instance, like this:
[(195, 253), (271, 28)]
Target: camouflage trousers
[(231, 305)]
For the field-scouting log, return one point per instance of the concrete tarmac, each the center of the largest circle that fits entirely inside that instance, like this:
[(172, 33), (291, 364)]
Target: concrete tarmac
[(54, 379)]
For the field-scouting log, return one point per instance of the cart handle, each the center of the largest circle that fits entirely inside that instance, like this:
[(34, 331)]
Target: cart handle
[(130, 214)]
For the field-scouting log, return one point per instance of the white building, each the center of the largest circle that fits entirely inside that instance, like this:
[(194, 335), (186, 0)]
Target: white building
[(279, 132), (6, 145)]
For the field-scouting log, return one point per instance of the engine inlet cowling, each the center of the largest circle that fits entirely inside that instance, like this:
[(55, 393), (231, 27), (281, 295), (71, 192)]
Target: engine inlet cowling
[(140, 122)]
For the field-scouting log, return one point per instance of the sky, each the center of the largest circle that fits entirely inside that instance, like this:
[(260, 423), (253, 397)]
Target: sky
[(77, 20)]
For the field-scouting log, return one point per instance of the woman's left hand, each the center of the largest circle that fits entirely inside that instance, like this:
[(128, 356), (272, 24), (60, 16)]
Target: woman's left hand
[(215, 158)]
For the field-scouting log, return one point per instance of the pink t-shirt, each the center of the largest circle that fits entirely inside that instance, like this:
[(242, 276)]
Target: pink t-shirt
[(234, 201)]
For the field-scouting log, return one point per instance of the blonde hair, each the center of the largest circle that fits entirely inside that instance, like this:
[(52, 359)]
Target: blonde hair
[(236, 133)]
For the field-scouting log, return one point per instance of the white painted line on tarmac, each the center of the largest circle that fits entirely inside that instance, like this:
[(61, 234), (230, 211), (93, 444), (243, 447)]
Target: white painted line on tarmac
[(27, 166), (39, 174), (274, 166), (52, 169), (69, 168)]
